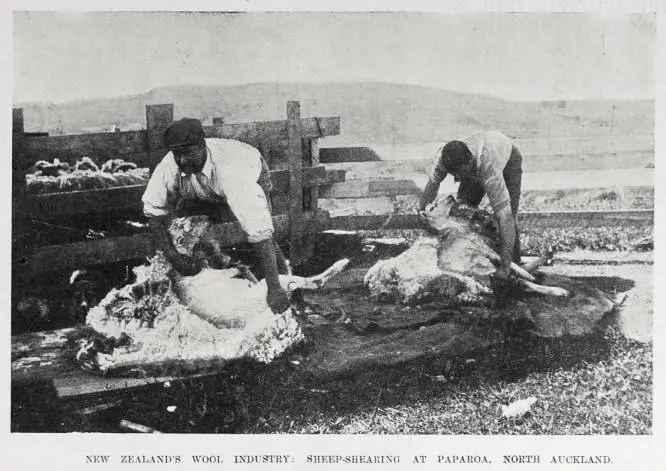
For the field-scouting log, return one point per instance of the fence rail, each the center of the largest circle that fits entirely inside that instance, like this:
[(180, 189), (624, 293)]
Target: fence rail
[(533, 219)]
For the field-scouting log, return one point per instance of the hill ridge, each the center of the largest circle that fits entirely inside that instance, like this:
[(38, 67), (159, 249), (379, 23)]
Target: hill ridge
[(370, 111)]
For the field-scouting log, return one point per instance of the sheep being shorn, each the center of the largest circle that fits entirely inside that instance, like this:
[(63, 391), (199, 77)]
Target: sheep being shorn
[(454, 262), (215, 315)]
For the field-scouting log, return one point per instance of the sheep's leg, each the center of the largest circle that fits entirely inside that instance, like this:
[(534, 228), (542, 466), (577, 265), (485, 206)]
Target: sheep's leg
[(319, 280), (515, 268), (471, 284), (541, 289), (313, 283), (521, 272)]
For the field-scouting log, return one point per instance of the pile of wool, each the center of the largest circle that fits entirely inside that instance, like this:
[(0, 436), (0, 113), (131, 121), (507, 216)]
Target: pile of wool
[(56, 177), (214, 315), (177, 334)]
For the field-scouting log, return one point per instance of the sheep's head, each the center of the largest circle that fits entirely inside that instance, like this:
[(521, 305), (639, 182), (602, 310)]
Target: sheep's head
[(437, 213)]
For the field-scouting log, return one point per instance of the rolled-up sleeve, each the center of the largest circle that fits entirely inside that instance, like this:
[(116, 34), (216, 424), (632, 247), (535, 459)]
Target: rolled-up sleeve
[(492, 160), (158, 198), (247, 199)]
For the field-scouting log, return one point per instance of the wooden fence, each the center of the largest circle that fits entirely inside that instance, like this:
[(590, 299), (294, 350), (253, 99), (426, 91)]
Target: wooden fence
[(303, 189), (289, 146), (382, 194)]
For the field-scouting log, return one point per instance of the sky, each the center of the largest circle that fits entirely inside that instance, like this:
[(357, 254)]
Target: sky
[(60, 56)]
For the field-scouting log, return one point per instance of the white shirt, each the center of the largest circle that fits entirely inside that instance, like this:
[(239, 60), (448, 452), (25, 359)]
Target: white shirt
[(491, 151), (229, 175)]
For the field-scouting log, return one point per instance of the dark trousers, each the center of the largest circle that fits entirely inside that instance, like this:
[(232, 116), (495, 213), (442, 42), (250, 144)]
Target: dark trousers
[(471, 192)]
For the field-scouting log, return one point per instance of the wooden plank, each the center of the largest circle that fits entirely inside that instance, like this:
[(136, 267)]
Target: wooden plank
[(335, 176), (19, 165), (347, 189), (50, 356), (128, 198), (393, 188), (385, 169), (115, 249), (31, 343), (366, 166), (253, 133), (89, 253), (98, 146), (314, 162), (370, 189), (78, 384), (382, 205), (313, 176), (56, 205), (532, 219), (334, 155), (294, 152), (373, 222), (40, 356)]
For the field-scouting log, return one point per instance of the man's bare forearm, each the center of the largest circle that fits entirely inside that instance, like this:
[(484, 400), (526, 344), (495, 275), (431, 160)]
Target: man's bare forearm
[(158, 227), (429, 193), (265, 251), (507, 236)]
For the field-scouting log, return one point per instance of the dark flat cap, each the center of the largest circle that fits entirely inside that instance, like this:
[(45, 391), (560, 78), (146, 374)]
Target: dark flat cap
[(184, 132)]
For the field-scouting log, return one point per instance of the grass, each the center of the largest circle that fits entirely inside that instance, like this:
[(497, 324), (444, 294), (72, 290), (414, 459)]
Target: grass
[(600, 384), (587, 199), (617, 238)]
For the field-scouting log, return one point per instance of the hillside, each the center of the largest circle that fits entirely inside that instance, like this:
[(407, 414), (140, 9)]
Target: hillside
[(371, 112)]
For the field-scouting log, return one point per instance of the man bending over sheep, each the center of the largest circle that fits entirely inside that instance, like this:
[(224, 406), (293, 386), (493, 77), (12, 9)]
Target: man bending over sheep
[(217, 172), (484, 163)]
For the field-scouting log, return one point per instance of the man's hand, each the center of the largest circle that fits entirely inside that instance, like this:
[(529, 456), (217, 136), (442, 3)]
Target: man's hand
[(276, 297), (423, 219), (182, 263), (500, 283), (277, 300), (185, 265), (503, 271)]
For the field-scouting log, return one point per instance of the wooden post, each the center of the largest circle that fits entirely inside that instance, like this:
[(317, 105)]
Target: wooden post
[(310, 196), (18, 183), (294, 156), (18, 164), (158, 118), (314, 162)]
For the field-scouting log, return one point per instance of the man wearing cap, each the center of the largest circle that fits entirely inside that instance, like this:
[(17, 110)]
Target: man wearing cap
[(484, 163), (215, 171)]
